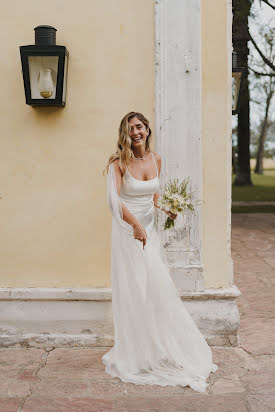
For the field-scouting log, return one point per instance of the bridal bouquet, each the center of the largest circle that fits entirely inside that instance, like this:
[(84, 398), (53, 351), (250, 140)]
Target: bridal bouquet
[(176, 199)]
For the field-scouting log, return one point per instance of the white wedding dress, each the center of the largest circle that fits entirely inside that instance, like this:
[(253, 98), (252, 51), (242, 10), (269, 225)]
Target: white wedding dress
[(156, 340)]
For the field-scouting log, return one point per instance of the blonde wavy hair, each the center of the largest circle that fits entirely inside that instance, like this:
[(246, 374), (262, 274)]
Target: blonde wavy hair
[(124, 150)]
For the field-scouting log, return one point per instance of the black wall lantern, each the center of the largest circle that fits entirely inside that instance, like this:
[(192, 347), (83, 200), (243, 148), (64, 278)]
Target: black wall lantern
[(237, 79), (45, 68)]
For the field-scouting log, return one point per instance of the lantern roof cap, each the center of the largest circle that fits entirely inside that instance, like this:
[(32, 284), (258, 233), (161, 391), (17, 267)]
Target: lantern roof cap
[(45, 27), (45, 35)]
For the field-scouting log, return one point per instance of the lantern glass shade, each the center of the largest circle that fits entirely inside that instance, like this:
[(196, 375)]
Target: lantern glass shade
[(43, 76), (45, 69), (237, 77)]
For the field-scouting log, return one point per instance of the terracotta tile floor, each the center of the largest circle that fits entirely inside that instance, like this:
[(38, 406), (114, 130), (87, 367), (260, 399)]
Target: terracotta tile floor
[(65, 379)]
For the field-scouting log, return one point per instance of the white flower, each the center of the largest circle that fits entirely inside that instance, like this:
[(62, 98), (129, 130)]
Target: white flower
[(167, 206)]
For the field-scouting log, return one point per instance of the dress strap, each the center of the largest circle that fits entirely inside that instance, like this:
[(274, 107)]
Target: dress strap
[(155, 164)]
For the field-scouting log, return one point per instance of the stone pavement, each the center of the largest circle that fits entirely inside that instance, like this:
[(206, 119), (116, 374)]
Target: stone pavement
[(73, 379)]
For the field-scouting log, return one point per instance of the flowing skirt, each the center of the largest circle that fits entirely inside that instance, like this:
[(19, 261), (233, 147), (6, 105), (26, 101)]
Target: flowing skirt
[(156, 340)]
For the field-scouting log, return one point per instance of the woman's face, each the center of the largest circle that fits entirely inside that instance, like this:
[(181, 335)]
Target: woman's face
[(138, 132)]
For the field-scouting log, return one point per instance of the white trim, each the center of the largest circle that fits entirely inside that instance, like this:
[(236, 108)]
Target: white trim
[(96, 294), (100, 294), (46, 317)]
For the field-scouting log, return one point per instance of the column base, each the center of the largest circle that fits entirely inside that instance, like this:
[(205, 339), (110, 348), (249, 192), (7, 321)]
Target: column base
[(216, 314)]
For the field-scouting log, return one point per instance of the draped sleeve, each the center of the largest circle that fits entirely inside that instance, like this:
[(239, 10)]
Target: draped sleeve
[(129, 261), (115, 203)]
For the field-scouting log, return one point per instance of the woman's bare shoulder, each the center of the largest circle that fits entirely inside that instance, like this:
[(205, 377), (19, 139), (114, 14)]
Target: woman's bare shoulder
[(157, 156)]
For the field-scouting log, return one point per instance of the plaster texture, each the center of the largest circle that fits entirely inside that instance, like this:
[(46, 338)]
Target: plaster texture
[(55, 222)]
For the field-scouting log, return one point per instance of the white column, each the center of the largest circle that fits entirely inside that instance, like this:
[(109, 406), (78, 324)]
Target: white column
[(178, 128)]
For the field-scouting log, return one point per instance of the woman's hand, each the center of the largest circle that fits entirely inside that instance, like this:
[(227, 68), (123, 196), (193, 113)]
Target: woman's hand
[(171, 215), (140, 233)]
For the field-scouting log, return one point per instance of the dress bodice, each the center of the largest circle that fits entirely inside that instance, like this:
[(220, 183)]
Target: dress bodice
[(143, 189), (137, 195)]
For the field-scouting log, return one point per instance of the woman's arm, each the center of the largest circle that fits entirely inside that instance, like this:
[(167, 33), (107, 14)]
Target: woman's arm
[(138, 229), (158, 161), (156, 195)]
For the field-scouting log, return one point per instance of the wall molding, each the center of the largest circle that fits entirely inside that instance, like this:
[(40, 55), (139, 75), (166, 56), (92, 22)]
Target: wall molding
[(46, 317), (101, 294)]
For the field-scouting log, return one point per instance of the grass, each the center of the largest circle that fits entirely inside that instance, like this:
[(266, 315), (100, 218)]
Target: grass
[(263, 190)]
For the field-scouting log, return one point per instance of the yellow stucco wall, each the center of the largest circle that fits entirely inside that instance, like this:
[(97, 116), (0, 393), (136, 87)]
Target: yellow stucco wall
[(216, 138), (55, 223)]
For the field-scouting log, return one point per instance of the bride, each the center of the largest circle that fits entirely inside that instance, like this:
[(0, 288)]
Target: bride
[(156, 340)]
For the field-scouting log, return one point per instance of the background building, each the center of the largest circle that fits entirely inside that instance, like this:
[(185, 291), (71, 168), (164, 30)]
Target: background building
[(169, 59)]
